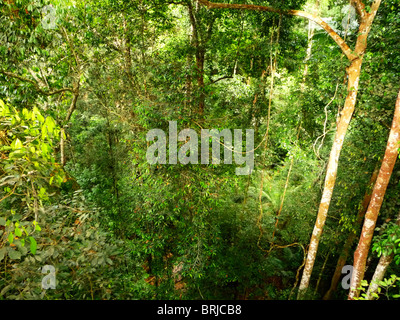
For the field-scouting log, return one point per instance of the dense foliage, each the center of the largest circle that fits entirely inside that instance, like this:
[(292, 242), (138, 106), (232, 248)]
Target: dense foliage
[(81, 84)]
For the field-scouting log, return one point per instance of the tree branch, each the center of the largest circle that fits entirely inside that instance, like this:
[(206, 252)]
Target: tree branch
[(359, 6), (222, 78), (74, 100), (193, 23), (339, 41), (71, 47), (40, 90)]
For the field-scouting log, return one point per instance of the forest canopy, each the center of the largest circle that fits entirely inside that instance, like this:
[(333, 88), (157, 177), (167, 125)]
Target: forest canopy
[(199, 150)]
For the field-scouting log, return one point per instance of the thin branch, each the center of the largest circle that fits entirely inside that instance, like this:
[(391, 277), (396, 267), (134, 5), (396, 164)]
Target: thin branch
[(176, 2), (73, 104), (38, 80), (324, 131), (71, 47), (38, 88), (222, 78)]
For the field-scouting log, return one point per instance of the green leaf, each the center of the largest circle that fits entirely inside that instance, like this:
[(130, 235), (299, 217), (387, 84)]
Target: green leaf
[(36, 114), (10, 238), (45, 148), (44, 132), (18, 232), (33, 245), (50, 124), (22, 249), (14, 254), (16, 144)]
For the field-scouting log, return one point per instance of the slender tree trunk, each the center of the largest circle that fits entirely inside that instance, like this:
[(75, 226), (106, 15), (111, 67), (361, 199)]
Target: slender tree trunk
[(389, 160), (351, 237), (384, 262), (353, 72), (379, 273), (189, 63), (200, 56), (321, 273), (272, 67), (308, 52), (126, 51), (71, 109), (75, 92), (331, 172), (198, 44)]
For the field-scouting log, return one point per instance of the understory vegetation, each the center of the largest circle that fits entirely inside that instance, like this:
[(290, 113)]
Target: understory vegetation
[(83, 82)]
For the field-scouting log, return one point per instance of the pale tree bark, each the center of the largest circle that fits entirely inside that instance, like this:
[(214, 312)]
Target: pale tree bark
[(378, 193), (311, 31), (351, 237), (384, 262), (379, 273), (353, 71)]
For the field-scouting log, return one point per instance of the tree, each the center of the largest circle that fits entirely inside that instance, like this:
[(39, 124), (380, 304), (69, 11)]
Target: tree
[(37, 71), (378, 193), (351, 237), (353, 71), (116, 226), (386, 257)]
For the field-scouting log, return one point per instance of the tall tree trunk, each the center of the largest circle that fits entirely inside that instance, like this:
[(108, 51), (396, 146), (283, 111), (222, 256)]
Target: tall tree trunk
[(311, 31), (127, 53), (353, 71), (379, 273), (71, 109), (75, 92), (189, 64), (389, 160), (331, 172), (200, 56), (384, 262), (351, 237)]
